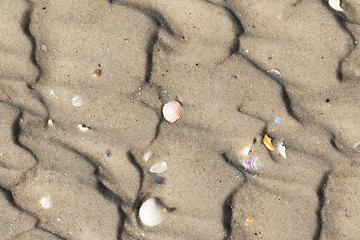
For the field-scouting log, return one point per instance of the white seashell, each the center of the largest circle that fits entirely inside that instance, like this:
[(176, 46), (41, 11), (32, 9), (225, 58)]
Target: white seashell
[(172, 111), (44, 47), (147, 155), (335, 4), (244, 152), (45, 202), (77, 101), (50, 122), (274, 72), (281, 149), (150, 213), (158, 167), (251, 163), (83, 127)]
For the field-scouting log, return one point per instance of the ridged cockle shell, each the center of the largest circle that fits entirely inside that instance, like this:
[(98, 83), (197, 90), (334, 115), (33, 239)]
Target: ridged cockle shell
[(172, 111)]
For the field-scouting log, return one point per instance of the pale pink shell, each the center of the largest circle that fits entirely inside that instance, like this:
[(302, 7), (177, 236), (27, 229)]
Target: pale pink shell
[(172, 111)]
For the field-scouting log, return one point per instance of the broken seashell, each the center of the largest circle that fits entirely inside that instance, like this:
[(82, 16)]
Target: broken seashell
[(150, 213), (83, 127), (97, 73), (281, 149), (147, 155), (251, 163), (267, 143), (158, 167), (244, 152), (50, 122), (172, 111), (77, 101), (357, 146), (45, 202), (336, 5), (249, 221)]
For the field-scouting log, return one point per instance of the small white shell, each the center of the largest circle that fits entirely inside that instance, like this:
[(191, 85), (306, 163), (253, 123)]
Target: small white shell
[(77, 101), (50, 122), (158, 167), (251, 163), (147, 155), (45, 202), (336, 5), (150, 213), (244, 151), (172, 111), (83, 127), (281, 149), (274, 72)]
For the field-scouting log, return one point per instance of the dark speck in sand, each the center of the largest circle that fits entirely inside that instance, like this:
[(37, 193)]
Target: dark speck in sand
[(327, 100), (159, 180), (108, 153)]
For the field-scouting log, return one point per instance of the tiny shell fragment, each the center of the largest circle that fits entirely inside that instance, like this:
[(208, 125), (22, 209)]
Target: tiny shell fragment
[(45, 202), (147, 155), (244, 151), (50, 122), (150, 213), (172, 111), (77, 101), (267, 143), (83, 127), (281, 149), (158, 167), (357, 146), (97, 73)]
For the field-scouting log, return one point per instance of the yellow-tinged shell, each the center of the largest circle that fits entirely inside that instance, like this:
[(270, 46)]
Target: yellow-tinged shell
[(172, 111), (267, 142)]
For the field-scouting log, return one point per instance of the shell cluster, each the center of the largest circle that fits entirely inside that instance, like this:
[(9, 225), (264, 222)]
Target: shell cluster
[(172, 111)]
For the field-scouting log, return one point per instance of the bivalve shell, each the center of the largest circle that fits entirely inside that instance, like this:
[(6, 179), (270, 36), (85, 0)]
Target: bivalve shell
[(251, 163), (357, 146), (150, 213), (172, 111), (158, 167)]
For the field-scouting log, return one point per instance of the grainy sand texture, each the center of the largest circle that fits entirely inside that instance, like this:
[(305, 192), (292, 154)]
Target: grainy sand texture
[(267, 147)]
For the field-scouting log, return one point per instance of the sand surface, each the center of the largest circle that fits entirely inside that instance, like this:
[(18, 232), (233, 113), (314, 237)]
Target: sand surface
[(83, 83)]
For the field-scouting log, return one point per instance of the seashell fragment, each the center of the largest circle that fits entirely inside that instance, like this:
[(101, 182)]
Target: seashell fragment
[(172, 111), (251, 163), (147, 155), (267, 143), (77, 101), (50, 122), (97, 73), (249, 221), (150, 213), (274, 72), (83, 127), (357, 147), (158, 167), (281, 149), (45, 202), (336, 5), (244, 152)]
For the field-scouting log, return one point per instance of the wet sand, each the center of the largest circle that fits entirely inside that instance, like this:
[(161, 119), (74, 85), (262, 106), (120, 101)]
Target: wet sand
[(83, 84)]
